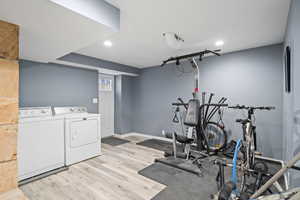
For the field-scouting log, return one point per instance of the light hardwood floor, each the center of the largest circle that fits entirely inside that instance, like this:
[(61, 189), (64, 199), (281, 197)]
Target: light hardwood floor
[(14, 194), (112, 176)]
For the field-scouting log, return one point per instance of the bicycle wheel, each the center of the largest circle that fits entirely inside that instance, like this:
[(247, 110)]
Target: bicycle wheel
[(250, 153), (247, 162), (215, 137), (244, 165)]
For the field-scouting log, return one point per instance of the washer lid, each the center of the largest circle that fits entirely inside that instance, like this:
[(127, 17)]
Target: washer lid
[(30, 112), (40, 119)]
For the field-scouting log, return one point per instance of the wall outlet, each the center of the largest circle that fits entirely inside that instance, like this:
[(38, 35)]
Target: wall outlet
[(95, 100)]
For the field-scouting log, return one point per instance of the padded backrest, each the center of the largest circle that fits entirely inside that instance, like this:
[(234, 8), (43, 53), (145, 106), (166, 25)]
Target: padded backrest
[(192, 115)]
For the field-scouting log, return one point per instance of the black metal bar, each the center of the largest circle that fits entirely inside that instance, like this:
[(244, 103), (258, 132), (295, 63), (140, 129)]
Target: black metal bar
[(214, 52), (207, 108), (201, 53), (203, 102), (180, 104), (214, 104), (295, 167), (216, 108), (230, 165), (255, 138), (222, 175), (186, 104)]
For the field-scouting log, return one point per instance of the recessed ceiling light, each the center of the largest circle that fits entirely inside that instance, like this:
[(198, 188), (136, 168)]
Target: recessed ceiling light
[(219, 43), (107, 43)]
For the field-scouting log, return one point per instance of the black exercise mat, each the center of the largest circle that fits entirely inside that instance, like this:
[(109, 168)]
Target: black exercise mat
[(184, 185), (160, 145), (180, 184), (188, 165), (113, 141)]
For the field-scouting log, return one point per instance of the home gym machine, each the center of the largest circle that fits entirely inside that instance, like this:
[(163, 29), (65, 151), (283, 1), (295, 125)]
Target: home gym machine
[(201, 130), (198, 117), (207, 134)]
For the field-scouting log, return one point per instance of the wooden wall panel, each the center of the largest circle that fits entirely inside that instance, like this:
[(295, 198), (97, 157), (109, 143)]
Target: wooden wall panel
[(8, 174), (8, 143), (9, 79), (9, 91), (9, 41), (9, 107), (9, 111)]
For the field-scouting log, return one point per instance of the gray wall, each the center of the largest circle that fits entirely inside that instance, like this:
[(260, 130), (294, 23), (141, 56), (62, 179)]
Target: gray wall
[(292, 100), (118, 104), (124, 104), (57, 85), (251, 77)]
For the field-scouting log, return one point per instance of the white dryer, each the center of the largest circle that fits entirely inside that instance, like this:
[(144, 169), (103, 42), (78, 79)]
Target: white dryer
[(40, 142), (82, 133)]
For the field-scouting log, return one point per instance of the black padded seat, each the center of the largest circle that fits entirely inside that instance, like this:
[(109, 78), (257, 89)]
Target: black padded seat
[(183, 139)]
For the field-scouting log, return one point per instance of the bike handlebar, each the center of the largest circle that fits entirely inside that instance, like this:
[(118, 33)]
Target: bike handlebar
[(212, 104), (215, 104), (241, 107)]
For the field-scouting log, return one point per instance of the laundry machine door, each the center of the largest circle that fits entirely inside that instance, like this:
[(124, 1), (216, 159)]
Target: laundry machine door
[(83, 131), (40, 147)]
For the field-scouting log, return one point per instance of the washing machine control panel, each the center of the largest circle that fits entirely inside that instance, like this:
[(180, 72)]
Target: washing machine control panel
[(35, 112)]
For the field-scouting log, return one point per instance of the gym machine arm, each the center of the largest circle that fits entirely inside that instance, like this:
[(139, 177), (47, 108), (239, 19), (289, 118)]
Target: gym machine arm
[(200, 54)]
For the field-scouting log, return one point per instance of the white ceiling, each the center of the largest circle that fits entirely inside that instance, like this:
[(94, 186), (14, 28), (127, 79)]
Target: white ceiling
[(241, 24), (49, 31)]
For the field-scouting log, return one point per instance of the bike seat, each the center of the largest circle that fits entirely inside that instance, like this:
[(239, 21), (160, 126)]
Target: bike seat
[(242, 121)]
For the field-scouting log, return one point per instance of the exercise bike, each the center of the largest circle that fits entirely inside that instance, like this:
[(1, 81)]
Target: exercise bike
[(248, 143), (293, 194), (244, 159)]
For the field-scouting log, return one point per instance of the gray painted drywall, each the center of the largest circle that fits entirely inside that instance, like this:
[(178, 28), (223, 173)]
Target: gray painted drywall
[(127, 103), (124, 104), (118, 104), (98, 10), (87, 60), (291, 108), (57, 85), (251, 77)]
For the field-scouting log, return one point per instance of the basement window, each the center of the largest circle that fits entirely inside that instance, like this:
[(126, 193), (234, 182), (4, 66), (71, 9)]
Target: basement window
[(105, 85)]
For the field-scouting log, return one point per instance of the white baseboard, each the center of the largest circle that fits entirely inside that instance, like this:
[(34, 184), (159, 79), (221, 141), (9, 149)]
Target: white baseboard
[(147, 136)]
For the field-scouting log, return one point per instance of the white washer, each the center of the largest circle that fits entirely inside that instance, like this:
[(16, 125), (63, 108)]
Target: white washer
[(82, 133), (40, 142)]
